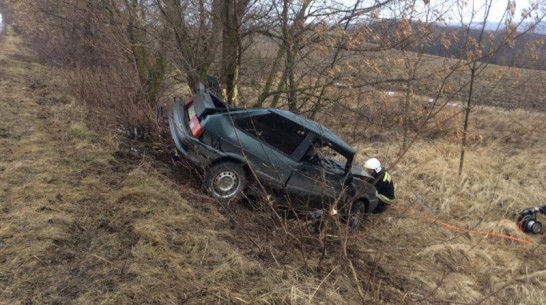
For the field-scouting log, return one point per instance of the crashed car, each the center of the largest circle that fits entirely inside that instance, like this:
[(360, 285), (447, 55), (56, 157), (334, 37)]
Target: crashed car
[(299, 162)]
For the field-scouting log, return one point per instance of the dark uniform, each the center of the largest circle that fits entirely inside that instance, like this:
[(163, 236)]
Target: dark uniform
[(385, 190)]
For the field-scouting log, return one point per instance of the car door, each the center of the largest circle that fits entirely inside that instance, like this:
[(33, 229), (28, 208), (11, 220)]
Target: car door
[(268, 141), (271, 167), (315, 184)]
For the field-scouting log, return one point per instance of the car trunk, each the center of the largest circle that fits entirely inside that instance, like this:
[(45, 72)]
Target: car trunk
[(199, 106)]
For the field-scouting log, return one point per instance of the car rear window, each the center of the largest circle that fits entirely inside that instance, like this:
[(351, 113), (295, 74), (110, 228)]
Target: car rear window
[(274, 130)]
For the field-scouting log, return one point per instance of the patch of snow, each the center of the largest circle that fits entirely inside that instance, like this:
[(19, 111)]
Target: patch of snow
[(454, 105)]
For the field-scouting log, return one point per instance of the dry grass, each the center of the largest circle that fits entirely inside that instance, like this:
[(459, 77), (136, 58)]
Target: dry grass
[(502, 175), (86, 220)]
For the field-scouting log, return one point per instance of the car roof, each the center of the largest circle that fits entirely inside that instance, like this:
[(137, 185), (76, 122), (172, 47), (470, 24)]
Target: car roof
[(210, 101)]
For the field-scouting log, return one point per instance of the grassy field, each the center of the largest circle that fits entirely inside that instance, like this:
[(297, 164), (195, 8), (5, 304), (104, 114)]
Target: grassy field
[(93, 219)]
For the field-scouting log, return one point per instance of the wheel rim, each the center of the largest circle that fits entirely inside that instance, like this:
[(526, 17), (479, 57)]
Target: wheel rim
[(226, 183), (536, 227)]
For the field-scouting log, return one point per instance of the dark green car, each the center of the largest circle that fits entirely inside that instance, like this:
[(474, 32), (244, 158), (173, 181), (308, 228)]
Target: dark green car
[(298, 161)]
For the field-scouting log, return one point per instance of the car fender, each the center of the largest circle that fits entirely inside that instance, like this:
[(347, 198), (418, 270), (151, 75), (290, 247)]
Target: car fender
[(230, 157), (364, 191)]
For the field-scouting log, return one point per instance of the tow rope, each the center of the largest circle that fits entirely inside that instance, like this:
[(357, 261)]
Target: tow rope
[(525, 241), (521, 240)]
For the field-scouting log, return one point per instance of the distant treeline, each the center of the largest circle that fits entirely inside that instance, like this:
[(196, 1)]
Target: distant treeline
[(527, 51)]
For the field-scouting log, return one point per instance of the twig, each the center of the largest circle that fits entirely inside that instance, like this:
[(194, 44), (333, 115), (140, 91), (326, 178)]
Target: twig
[(431, 293), (274, 258), (103, 259), (206, 247), (320, 284), (36, 257), (230, 214)]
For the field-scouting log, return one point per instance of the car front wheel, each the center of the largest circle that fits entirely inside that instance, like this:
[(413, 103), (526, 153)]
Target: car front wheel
[(356, 217), (225, 180)]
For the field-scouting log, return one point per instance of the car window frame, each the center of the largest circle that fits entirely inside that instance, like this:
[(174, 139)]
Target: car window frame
[(296, 150), (318, 142)]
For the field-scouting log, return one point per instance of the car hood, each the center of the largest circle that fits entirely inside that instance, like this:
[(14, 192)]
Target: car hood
[(357, 171)]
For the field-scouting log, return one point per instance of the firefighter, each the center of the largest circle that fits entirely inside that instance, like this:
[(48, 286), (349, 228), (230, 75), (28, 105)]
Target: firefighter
[(382, 182)]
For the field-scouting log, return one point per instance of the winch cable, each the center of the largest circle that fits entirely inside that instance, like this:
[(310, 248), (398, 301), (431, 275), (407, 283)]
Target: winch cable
[(521, 240)]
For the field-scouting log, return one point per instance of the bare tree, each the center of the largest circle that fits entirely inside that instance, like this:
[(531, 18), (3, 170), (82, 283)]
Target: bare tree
[(477, 50)]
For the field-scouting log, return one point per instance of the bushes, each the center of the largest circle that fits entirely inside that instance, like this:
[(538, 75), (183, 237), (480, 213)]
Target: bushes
[(111, 97)]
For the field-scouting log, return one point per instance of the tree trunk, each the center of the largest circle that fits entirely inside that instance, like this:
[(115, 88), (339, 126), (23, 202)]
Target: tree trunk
[(151, 71), (270, 77), (467, 115)]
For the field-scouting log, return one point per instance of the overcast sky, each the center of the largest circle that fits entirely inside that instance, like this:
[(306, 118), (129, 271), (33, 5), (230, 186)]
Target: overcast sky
[(497, 11)]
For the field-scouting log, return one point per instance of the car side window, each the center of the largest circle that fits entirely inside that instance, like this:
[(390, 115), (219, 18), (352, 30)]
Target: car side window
[(274, 130)]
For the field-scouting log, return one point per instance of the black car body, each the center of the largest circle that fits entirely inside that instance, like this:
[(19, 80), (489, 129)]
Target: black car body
[(281, 150)]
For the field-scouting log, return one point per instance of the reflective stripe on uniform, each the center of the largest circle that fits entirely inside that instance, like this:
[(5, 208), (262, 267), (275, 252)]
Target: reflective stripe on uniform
[(384, 199), (387, 177)]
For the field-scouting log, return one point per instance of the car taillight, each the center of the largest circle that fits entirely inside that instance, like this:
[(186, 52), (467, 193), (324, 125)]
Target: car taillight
[(363, 178), (196, 128)]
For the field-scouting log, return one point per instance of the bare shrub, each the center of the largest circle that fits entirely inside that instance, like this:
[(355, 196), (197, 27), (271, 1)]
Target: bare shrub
[(111, 97), (381, 115)]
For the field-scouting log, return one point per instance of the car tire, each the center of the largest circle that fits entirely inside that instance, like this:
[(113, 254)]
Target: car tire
[(356, 217), (225, 180)]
